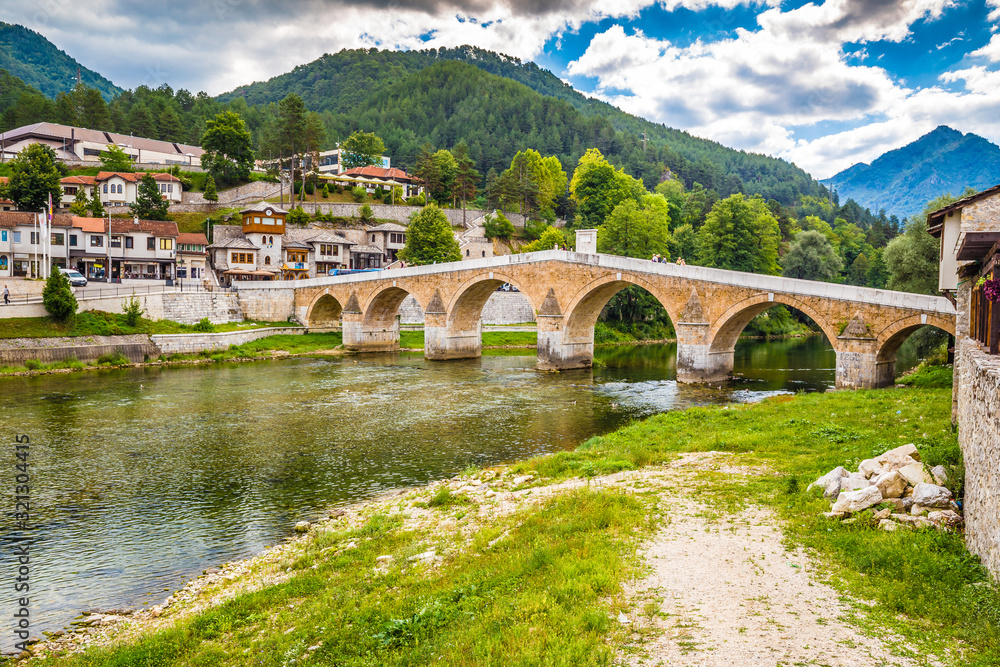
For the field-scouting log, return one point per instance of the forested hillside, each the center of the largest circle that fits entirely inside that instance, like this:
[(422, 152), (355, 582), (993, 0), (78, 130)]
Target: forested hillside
[(37, 62), (903, 180)]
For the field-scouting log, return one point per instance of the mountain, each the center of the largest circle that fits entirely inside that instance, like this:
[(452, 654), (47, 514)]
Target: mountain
[(37, 62), (357, 89), (903, 180)]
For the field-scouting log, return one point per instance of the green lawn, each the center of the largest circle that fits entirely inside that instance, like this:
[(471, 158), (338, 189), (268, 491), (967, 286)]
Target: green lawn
[(99, 323)]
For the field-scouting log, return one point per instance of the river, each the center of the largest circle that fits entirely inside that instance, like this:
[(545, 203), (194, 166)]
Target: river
[(143, 477)]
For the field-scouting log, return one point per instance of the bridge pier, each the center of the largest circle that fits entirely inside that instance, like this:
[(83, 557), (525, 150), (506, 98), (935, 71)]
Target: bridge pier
[(440, 343), (360, 338), (700, 363), (863, 370), (557, 354)]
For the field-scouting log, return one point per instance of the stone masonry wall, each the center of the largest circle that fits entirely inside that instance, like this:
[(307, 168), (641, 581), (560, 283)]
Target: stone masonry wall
[(978, 377), (267, 305), (193, 343), (501, 308), (15, 351)]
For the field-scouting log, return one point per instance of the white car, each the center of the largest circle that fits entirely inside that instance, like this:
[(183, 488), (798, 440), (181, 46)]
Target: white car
[(76, 279)]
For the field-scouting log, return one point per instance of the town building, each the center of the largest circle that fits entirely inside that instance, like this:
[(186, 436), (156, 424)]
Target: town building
[(21, 249), (82, 145), (134, 249), (119, 188), (330, 162), (390, 238), (192, 255), (372, 178), (969, 234)]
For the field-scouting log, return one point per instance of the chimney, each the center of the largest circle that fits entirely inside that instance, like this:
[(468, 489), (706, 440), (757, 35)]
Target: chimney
[(135, 221)]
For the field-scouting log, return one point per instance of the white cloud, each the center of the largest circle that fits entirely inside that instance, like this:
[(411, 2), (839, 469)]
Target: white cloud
[(991, 50), (994, 14)]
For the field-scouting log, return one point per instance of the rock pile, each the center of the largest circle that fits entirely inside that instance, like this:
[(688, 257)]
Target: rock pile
[(910, 495)]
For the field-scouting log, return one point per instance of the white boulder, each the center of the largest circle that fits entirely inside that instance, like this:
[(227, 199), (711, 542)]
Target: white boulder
[(857, 501), (931, 495), (914, 474), (940, 475), (891, 484), (870, 468), (830, 482)]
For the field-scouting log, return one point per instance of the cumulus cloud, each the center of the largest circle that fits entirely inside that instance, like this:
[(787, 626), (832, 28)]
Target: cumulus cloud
[(991, 50)]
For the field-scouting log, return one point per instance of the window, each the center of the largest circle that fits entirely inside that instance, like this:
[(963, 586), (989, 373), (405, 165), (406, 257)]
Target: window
[(116, 242), (296, 257), (163, 187), (373, 238), (92, 151), (3, 235), (268, 221), (57, 239), (96, 241), (396, 238), (267, 261), (105, 188), (328, 249), (34, 238), (150, 243), (72, 240), (170, 187), (119, 188), (241, 258), (166, 244), (15, 237), (69, 190), (128, 242)]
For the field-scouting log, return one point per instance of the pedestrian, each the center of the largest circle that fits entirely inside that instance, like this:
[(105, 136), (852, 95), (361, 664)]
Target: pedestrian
[(656, 258), (6, 296)]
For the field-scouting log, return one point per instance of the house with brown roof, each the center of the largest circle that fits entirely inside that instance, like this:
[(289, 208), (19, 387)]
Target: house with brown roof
[(118, 188), (83, 145), (192, 255), (133, 249), (386, 178), (22, 252)]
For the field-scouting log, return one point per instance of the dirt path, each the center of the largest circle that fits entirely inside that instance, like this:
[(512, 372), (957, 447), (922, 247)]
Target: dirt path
[(729, 593)]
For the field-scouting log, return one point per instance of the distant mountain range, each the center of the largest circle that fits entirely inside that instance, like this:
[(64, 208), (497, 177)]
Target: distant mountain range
[(904, 180), (37, 62)]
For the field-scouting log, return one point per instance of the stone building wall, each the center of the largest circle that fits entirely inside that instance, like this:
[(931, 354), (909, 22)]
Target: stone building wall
[(978, 379)]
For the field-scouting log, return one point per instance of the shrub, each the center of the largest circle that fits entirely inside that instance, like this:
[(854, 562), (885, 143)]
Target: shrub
[(116, 358), (297, 216), (310, 188), (57, 297), (297, 187), (419, 200), (133, 311), (211, 194), (32, 364), (387, 199), (498, 227), (358, 193), (365, 214), (326, 190), (204, 326)]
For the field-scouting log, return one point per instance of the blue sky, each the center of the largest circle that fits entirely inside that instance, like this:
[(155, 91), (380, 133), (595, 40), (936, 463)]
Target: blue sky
[(823, 84)]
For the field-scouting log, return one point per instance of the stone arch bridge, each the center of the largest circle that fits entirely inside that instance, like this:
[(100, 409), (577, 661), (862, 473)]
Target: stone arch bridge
[(568, 290)]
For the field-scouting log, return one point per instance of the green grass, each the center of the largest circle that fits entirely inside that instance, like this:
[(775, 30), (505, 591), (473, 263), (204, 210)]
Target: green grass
[(928, 376), (99, 323), (539, 595), (414, 340)]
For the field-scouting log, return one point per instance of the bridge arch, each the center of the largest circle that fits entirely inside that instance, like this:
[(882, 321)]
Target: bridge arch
[(381, 308), (586, 305), (726, 330), (466, 307), (891, 338), (324, 311)]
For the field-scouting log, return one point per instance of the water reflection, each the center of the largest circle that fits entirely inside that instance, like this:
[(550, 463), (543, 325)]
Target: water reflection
[(143, 477)]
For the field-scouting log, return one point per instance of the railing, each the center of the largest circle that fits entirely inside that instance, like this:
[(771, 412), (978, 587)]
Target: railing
[(87, 293)]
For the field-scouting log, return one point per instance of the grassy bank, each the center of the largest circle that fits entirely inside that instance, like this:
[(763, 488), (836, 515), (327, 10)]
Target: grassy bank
[(543, 585), (99, 323)]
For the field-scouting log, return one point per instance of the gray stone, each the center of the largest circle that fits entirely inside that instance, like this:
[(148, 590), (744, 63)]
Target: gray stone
[(899, 455), (853, 483), (945, 517), (917, 510), (914, 473), (427, 555), (870, 468), (830, 482), (931, 495), (857, 501), (882, 514), (302, 527), (891, 484), (940, 475), (914, 521), (889, 525)]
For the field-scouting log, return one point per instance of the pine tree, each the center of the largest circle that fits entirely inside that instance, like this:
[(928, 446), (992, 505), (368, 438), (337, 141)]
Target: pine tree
[(81, 203), (96, 207), (149, 203), (210, 192), (57, 297)]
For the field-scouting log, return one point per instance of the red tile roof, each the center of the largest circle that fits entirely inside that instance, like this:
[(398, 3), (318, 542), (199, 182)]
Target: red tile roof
[(27, 219), (134, 177), (92, 225), (77, 180), (192, 239), (154, 227), (380, 172)]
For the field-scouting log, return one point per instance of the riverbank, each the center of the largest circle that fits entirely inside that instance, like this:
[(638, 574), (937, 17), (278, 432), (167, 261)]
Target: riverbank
[(564, 559)]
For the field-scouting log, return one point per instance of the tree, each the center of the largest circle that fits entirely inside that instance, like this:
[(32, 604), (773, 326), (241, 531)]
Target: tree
[(170, 126), (361, 149), (498, 227), (878, 272), (858, 273), (636, 232), (366, 215), (211, 194), (912, 260), (429, 238), (57, 297), (466, 176), (81, 203), (96, 207), (229, 155), (149, 203), (33, 178), (325, 192), (550, 239), (438, 171), (811, 257), (740, 234), (597, 189), (115, 159)]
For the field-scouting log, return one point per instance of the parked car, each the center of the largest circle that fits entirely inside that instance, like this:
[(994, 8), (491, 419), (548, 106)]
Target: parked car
[(76, 279)]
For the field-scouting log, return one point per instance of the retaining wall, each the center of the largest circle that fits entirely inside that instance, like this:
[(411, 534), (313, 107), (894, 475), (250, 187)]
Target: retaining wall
[(196, 342), (15, 351), (977, 376), (500, 308)]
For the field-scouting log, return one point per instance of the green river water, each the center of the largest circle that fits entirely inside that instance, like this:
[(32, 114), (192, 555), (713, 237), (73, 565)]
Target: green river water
[(142, 478)]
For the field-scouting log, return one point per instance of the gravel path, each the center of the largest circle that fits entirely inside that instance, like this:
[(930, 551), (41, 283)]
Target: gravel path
[(729, 593)]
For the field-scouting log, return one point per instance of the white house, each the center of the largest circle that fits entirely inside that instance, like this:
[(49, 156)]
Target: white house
[(78, 144)]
